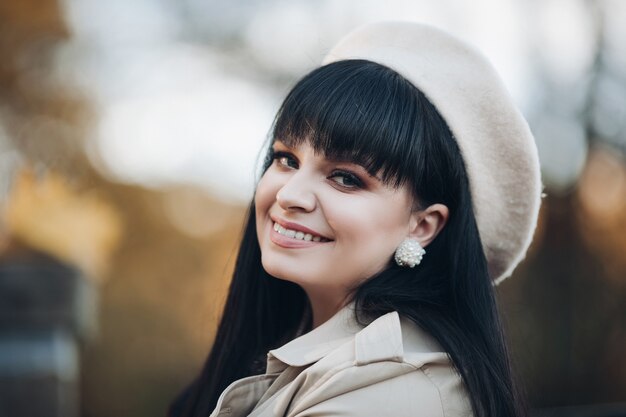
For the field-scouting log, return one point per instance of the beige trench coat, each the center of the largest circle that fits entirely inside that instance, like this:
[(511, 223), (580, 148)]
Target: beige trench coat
[(388, 368)]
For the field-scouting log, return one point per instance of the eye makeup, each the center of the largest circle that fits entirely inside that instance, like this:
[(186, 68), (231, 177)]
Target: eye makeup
[(347, 178)]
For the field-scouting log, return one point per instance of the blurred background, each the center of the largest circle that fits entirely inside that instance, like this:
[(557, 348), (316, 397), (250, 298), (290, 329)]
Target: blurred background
[(129, 139)]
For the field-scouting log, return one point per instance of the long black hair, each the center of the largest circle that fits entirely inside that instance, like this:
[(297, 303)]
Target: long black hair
[(368, 113)]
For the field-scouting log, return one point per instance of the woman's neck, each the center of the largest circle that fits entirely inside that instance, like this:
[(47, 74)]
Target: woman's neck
[(324, 306)]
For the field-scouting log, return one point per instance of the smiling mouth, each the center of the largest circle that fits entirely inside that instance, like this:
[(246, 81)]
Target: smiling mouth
[(298, 235)]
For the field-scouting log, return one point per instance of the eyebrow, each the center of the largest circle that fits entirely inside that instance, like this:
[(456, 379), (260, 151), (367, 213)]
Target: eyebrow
[(334, 160)]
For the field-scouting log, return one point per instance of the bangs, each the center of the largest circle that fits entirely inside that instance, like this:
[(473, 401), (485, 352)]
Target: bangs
[(358, 111)]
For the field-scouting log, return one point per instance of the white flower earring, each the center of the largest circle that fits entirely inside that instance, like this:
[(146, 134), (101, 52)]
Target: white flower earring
[(409, 253)]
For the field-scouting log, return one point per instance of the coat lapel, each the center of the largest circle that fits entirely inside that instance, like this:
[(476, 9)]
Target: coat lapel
[(317, 343)]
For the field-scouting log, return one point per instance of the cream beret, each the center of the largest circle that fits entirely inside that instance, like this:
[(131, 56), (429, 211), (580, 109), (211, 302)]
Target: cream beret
[(496, 143)]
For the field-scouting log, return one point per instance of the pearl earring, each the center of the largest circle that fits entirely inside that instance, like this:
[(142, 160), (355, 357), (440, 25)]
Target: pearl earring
[(409, 253)]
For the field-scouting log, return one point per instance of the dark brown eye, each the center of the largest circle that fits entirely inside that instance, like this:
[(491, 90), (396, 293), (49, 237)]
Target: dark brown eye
[(286, 160), (346, 179)]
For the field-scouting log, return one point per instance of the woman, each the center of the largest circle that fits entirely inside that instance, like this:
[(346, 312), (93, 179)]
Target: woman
[(400, 184)]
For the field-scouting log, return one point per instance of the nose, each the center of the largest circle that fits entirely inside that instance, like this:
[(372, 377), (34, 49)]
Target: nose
[(297, 193)]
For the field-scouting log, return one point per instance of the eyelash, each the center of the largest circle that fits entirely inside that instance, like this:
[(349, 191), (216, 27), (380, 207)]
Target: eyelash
[(352, 178)]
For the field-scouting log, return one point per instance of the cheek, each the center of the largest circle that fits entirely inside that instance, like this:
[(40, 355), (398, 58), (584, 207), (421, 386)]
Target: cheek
[(265, 193), (264, 198), (372, 236), (373, 220)]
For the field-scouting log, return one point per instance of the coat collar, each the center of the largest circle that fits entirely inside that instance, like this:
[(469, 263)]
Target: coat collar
[(314, 345)]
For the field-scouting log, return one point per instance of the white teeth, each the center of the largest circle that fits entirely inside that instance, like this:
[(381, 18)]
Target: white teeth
[(296, 234)]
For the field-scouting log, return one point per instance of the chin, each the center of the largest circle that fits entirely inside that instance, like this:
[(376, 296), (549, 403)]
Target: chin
[(277, 270), (285, 272)]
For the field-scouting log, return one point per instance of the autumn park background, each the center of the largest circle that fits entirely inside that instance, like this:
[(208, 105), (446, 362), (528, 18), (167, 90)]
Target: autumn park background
[(129, 136)]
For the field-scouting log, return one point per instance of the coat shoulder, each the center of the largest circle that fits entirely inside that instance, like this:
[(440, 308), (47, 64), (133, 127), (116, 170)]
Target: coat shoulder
[(391, 367)]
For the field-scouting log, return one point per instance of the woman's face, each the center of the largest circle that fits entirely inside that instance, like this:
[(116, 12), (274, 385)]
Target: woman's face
[(326, 225)]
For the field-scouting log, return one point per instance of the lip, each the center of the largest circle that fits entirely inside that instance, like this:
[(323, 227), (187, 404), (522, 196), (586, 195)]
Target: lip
[(298, 228), (291, 243)]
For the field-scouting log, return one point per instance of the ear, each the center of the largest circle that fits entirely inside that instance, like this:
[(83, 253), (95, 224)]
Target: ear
[(426, 224)]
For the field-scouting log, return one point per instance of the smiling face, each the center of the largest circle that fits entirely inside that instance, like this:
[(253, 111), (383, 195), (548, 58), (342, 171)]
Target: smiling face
[(326, 225)]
